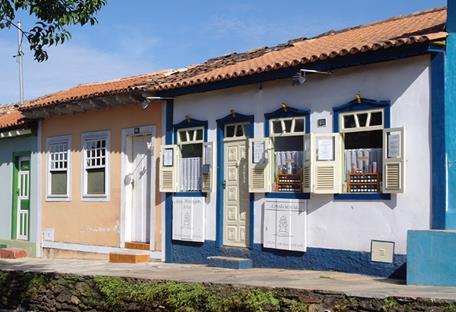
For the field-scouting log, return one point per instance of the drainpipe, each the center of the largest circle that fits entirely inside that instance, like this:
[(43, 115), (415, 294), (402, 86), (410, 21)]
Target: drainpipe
[(450, 117)]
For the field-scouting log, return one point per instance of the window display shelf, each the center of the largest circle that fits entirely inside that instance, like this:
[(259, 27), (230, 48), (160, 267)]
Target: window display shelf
[(364, 183), (289, 183)]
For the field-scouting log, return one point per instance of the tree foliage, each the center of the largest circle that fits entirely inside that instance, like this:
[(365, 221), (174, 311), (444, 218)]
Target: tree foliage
[(52, 19)]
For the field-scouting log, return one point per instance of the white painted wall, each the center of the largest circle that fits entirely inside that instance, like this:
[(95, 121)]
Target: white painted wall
[(348, 225)]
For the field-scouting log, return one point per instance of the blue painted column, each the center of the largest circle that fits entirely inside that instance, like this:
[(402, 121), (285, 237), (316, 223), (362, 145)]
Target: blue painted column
[(169, 196), (450, 116)]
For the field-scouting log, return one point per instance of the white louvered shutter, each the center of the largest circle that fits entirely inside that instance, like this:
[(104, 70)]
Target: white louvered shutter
[(208, 171), (259, 169), (307, 165), (393, 160), (326, 163), (168, 181)]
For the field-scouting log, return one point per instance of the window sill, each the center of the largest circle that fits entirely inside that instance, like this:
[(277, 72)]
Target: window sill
[(95, 198), (362, 196), (288, 195), (51, 198), (190, 194)]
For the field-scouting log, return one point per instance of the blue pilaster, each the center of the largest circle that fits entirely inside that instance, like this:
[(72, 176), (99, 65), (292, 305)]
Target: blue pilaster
[(450, 117), (169, 116)]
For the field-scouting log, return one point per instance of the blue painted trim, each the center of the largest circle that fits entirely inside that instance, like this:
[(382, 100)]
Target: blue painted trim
[(220, 177), (190, 194), (282, 113), (377, 196), (438, 145), (287, 195), (231, 118), (251, 223), (450, 122), (192, 123), (169, 111), (169, 121), (351, 106), (328, 64), (313, 259)]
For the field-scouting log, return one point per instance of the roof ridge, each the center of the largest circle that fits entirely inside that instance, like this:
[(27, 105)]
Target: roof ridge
[(379, 22), (95, 83)]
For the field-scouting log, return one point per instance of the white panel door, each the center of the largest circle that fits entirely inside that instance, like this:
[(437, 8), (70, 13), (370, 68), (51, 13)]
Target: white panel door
[(236, 194), (23, 198), (141, 185)]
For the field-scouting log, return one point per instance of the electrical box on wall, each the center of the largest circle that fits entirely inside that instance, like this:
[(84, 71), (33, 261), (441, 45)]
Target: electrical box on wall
[(49, 234), (382, 251)]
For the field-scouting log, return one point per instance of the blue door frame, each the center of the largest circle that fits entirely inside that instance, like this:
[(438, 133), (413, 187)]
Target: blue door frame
[(229, 119)]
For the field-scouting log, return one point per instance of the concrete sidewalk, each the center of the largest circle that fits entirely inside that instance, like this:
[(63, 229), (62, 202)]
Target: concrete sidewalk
[(350, 284)]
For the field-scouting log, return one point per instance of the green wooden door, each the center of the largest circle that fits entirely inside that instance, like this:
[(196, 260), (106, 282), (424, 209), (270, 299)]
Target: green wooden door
[(21, 193)]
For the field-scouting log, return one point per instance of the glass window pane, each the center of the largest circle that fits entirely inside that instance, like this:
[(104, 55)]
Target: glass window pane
[(192, 150), (239, 131), (96, 181), (199, 134), (59, 183), (288, 125), (182, 136), (362, 118), (229, 131), (191, 134), (349, 121), (299, 125), (376, 119), (277, 126)]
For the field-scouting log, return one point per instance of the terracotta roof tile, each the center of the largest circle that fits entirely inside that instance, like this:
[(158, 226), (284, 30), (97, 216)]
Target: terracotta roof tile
[(404, 30), (91, 90), (12, 119)]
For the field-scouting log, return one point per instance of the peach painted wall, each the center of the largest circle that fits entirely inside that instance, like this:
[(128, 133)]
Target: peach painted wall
[(96, 223)]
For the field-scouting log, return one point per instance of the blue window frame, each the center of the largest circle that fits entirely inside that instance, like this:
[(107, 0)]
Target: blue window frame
[(282, 113), (189, 123), (357, 105)]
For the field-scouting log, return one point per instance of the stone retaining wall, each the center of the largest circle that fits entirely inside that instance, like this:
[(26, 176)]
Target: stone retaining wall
[(21, 291)]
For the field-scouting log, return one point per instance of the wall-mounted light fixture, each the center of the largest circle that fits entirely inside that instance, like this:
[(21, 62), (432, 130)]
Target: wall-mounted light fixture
[(301, 76)]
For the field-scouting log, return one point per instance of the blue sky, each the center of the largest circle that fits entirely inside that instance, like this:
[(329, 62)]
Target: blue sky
[(140, 36)]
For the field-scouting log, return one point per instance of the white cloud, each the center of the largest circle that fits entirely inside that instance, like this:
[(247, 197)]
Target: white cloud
[(68, 65)]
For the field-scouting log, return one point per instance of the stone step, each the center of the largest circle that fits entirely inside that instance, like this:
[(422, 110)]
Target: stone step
[(12, 253), (137, 246), (129, 256), (229, 262)]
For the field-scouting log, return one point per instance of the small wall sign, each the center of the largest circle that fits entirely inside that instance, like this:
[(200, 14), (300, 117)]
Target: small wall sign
[(321, 123)]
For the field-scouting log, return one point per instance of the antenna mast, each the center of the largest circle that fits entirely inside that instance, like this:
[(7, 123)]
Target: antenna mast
[(19, 56)]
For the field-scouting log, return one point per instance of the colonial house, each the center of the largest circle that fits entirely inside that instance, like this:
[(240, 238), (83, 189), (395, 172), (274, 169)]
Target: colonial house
[(317, 154), (19, 191), (322, 153), (99, 192)]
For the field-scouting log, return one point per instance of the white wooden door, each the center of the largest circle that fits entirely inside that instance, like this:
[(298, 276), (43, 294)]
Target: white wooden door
[(141, 188), (236, 194), (23, 198)]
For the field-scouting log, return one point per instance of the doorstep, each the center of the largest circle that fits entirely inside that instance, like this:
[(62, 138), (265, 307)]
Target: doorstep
[(129, 256)]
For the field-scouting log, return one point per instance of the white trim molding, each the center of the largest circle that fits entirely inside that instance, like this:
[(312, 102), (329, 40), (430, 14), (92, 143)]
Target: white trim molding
[(64, 140), (93, 136), (156, 255)]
